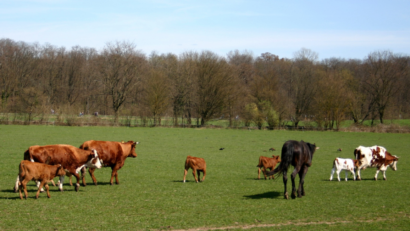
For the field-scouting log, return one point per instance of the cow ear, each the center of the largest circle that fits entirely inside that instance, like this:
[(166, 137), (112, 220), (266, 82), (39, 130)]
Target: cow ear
[(277, 157)]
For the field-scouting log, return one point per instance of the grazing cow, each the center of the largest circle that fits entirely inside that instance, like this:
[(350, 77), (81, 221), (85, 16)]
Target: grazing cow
[(112, 153), (267, 163), (299, 155), (197, 164), (71, 158), (272, 149), (39, 172), (340, 164), (374, 157)]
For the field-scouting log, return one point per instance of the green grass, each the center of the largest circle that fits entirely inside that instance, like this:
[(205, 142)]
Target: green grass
[(151, 194)]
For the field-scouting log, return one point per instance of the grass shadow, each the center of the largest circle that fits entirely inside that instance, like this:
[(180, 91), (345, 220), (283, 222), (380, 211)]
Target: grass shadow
[(267, 195)]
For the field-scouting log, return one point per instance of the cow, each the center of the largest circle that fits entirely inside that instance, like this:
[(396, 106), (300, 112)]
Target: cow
[(39, 172), (112, 153), (374, 157), (197, 165), (267, 163), (71, 158), (340, 164)]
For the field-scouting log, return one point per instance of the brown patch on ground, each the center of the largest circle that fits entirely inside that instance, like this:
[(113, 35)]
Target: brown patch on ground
[(379, 219)]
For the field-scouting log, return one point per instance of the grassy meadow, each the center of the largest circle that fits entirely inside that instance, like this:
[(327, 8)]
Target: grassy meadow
[(151, 195)]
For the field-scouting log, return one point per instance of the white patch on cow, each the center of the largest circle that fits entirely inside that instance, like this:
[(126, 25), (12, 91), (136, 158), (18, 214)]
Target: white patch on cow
[(77, 170), (98, 164), (31, 159), (38, 186)]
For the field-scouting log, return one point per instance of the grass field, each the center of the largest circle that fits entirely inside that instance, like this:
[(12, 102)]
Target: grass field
[(151, 195)]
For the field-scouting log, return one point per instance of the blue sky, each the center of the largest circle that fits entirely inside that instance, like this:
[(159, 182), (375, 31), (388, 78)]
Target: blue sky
[(343, 29)]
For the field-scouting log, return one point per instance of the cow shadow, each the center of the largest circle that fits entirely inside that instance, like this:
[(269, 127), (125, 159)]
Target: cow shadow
[(266, 195)]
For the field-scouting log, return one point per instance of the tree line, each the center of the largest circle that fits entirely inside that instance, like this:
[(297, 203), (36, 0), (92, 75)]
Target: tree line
[(195, 87)]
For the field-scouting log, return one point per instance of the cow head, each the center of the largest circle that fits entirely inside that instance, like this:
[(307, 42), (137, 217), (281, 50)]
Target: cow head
[(60, 170), (277, 158), (132, 151), (393, 164), (93, 160)]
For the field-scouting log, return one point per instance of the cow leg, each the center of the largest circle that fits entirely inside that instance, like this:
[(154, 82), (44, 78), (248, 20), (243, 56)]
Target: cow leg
[(302, 174), (114, 174), (77, 185), (91, 171), (23, 184), (60, 185), (264, 172), (204, 173), (41, 186), (354, 176), (83, 176), (198, 173), (38, 186), (292, 177), (259, 173), (185, 172), (346, 172), (193, 173), (377, 173), (16, 186), (358, 175), (384, 175), (338, 174), (285, 181), (48, 192), (331, 174)]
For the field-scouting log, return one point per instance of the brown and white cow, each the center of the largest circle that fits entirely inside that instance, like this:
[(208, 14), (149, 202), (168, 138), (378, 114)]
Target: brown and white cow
[(374, 157), (267, 163), (197, 165), (112, 153), (42, 173), (71, 158)]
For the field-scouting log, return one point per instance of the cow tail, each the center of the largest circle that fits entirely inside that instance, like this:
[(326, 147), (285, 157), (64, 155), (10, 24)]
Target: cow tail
[(287, 153), (260, 162), (22, 171)]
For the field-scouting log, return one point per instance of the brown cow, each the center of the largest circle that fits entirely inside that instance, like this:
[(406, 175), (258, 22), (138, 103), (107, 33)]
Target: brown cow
[(267, 163), (39, 172), (71, 158), (112, 153), (197, 164)]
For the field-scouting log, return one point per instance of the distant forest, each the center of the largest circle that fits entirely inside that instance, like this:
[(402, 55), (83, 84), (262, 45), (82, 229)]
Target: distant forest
[(195, 87)]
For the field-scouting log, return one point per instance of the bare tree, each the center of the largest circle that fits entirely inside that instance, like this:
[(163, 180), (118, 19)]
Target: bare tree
[(120, 66), (383, 71), (213, 80)]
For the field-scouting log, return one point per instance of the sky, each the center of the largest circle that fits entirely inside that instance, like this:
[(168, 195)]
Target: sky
[(349, 29)]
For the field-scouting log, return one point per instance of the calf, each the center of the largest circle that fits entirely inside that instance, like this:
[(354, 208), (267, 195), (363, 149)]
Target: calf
[(267, 163), (38, 172), (340, 164), (197, 164)]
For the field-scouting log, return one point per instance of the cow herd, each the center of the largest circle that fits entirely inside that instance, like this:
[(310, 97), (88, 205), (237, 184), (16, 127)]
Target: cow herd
[(299, 154), (43, 163)]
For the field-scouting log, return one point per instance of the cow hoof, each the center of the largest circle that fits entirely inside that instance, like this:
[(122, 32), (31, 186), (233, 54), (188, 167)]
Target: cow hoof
[(95, 183), (111, 183), (286, 196), (375, 178), (384, 179), (293, 196)]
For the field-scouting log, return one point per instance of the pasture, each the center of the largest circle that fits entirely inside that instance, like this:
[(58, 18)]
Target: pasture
[(151, 195)]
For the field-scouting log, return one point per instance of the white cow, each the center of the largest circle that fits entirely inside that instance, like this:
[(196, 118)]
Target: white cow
[(374, 157), (340, 164)]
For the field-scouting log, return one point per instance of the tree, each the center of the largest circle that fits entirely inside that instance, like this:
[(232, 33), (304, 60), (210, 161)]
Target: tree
[(120, 66), (213, 78), (383, 72)]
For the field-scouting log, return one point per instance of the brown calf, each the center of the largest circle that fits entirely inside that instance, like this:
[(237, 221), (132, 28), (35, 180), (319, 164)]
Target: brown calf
[(38, 172), (267, 163), (197, 164)]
